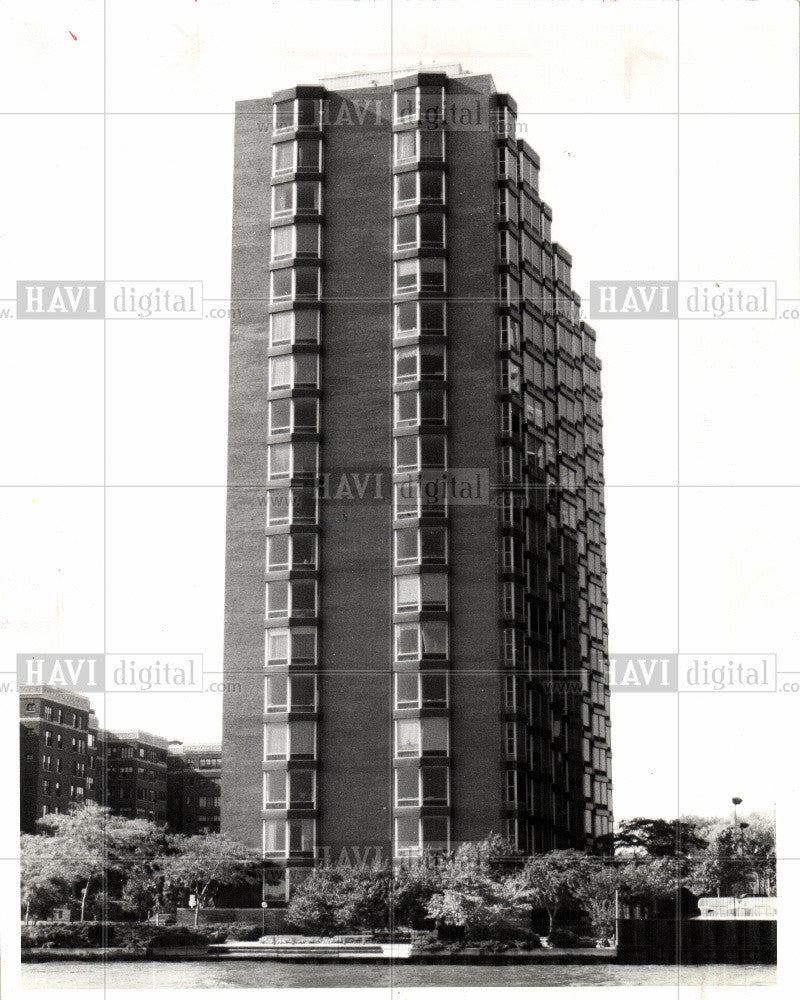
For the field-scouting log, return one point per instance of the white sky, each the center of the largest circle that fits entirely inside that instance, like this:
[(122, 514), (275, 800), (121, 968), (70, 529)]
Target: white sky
[(637, 193)]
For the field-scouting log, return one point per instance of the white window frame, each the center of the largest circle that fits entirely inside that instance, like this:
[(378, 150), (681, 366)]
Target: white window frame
[(283, 128), (288, 727), (418, 157), (504, 156), (293, 295), (420, 604), (506, 207), (294, 210), (291, 611), (417, 199), (280, 386), (417, 850), (417, 330), (306, 254), (293, 324), (419, 653), (418, 560), (291, 565), (287, 706), (295, 166), (419, 703), (437, 510), (288, 634), (292, 427), (417, 243), (278, 475), (416, 288)]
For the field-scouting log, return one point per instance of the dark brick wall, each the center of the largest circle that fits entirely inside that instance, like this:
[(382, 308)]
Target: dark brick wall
[(472, 420), (356, 550), (246, 513)]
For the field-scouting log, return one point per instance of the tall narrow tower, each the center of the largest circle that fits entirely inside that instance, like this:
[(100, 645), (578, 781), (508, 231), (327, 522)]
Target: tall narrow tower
[(415, 597)]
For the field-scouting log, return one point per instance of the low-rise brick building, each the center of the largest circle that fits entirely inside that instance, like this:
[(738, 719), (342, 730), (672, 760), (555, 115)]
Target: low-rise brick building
[(193, 787)]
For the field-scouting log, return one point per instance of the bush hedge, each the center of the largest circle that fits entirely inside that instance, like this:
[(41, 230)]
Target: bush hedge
[(563, 937), (93, 934)]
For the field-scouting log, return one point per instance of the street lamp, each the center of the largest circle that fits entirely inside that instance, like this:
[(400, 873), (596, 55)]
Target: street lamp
[(264, 905), (736, 802)]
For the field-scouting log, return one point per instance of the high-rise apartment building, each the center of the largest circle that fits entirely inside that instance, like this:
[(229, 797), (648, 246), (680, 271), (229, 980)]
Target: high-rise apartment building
[(415, 582)]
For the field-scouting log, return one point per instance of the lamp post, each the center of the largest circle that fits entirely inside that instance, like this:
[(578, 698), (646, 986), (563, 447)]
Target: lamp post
[(736, 802), (264, 905)]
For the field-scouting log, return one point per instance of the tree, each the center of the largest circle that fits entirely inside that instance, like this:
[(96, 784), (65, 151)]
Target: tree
[(548, 881), (317, 903), (481, 905), (91, 843), (654, 879), (340, 898), (596, 888), (414, 886), (368, 894), (659, 838), (41, 883), (737, 861), (203, 864)]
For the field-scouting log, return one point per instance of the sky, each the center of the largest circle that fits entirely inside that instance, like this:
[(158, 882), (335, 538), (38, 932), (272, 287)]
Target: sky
[(653, 137)]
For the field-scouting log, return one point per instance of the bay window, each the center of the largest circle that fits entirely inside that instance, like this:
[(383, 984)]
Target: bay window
[(418, 640)]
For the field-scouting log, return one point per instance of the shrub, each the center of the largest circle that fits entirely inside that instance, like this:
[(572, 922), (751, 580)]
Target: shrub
[(220, 933), (78, 934), (562, 937)]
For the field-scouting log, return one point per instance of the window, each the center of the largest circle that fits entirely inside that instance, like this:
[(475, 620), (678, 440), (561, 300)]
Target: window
[(291, 645), (421, 640), (298, 458), (419, 318), (412, 501), (508, 248), (420, 545), (506, 164), (295, 739), (283, 693), (284, 838), (296, 198), (419, 187), (426, 274), (418, 145), (414, 231), (412, 363), (288, 415), (509, 334), (510, 376), (416, 737), (507, 205), (426, 592), (414, 408), (301, 112), (300, 155), (295, 283), (295, 598), (508, 290), (406, 105), (530, 172), (297, 551), (294, 327), (420, 690), (291, 371), (301, 240), (505, 122)]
